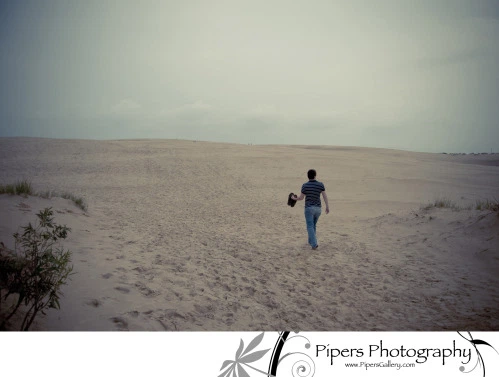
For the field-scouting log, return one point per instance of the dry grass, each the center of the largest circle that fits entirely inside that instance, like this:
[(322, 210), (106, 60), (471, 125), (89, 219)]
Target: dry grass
[(25, 188)]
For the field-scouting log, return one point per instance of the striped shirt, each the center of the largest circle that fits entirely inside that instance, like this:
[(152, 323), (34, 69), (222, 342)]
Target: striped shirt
[(312, 191)]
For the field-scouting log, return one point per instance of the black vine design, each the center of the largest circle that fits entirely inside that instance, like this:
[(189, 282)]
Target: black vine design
[(475, 343)]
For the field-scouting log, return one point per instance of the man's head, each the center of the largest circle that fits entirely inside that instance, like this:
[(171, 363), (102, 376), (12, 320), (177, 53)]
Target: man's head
[(311, 174)]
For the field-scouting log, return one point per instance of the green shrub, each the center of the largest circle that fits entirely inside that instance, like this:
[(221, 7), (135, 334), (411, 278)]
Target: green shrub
[(445, 203), (35, 270), (78, 201), (7, 189), (480, 205), (22, 187), (441, 203), (491, 205)]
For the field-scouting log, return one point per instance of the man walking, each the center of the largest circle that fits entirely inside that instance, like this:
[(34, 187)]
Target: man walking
[(312, 191)]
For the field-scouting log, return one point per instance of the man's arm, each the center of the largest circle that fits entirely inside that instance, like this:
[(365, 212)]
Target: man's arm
[(302, 195), (324, 195)]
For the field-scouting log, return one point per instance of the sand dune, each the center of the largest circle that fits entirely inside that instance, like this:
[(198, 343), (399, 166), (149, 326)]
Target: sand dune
[(184, 235)]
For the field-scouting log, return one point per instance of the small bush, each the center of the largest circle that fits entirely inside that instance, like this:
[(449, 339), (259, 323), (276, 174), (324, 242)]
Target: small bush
[(480, 205), (442, 203), (7, 189), (491, 205), (35, 270), (78, 201), (445, 203), (22, 187)]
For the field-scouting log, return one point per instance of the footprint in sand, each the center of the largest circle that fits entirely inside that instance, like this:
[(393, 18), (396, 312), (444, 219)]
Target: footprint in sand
[(146, 291), (122, 289), (134, 313), (95, 303), (173, 314), (107, 276), (121, 323), (250, 290)]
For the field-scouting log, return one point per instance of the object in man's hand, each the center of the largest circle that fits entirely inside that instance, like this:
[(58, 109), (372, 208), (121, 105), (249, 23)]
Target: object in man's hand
[(291, 201)]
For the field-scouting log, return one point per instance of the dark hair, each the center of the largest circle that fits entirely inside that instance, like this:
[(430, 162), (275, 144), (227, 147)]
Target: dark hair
[(311, 174)]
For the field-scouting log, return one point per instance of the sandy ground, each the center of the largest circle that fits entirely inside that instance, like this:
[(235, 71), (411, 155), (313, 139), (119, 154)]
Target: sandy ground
[(184, 235)]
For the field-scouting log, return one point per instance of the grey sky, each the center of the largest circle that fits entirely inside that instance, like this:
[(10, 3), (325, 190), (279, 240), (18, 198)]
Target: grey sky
[(410, 75)]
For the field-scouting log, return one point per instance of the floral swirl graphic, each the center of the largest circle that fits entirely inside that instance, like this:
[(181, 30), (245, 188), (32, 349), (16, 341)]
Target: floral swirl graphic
[(235, 368), (303, 367), (274, 360), (475, 343)]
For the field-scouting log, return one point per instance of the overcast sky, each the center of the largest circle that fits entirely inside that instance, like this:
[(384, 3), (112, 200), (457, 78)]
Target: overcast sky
[(415, 75)]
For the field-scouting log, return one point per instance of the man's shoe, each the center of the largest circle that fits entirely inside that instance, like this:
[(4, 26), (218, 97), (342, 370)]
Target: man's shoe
[(315, 247)]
